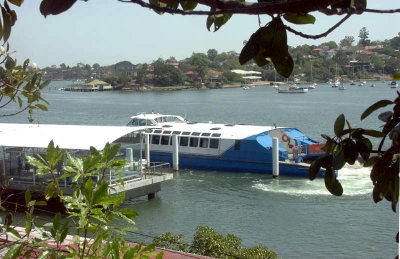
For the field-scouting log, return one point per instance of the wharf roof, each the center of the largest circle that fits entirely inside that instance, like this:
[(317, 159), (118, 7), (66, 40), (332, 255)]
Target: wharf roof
[(78, 137)]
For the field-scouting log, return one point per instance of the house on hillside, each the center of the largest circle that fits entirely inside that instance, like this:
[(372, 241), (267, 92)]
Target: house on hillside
[(125, 68)]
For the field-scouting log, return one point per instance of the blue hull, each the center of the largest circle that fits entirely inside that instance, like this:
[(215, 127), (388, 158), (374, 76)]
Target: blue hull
[(223, 164)]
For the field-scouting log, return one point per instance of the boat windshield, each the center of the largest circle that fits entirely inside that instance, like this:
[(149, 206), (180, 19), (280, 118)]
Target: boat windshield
[(169, 118), (141, 122)]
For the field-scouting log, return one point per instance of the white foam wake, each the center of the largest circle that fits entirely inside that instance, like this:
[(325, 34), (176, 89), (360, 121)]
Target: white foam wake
[(354, 179)]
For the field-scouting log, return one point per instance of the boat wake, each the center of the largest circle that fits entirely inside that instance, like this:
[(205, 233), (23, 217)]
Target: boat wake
[(354, 179)]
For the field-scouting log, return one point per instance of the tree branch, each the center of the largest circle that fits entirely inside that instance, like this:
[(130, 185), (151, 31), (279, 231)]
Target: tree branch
[(250, 8), (307, 36)]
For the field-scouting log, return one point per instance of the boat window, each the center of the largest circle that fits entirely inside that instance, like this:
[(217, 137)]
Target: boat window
[(166, 126), (142, 122), (157, 131), (133, 122), (215, 128), (167, 132), (183, 141), (216, 135), (214, 143), (185, 133), (229, 125), (196, 134), (237, 144), (176, 132), (194, 142), (204, 142), (155, 139), (164, 140), (206, 134)]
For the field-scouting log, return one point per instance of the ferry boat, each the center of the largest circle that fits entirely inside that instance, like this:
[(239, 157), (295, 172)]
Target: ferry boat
[(228, 147), (393, 84)]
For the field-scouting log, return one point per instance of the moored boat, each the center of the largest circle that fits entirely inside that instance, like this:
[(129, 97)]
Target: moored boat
[(393, 84), (228, 147), (293, 89)]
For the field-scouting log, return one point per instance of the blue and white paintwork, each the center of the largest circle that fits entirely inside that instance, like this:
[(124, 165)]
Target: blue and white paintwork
[(227, 147)]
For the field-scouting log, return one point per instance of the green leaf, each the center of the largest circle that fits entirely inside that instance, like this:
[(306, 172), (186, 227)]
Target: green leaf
[(338, 160), (129, 213), (283, 64), (42, 107), (374, 107), (220, 20), (314, 169), (27, 228), (115, 247), (371, 161), (89, 191), (350, 153), (251, 49), (260, 60), (16, 2), (14, 252), (56, 221), (339, 125), (210, 20), (332, 184), (100, 193), (10, 63), (374, 133), (50, 191), (6, 24), (8, 220), (299, 18), (40, 203), (396, 76), (55, 7), (13, 233), (188, 5), (27, 196)]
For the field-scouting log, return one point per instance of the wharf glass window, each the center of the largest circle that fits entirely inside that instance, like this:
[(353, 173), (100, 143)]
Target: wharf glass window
[(155, 139), (183, 141), (194, 142), (164, 140), (204, 142), (214, 143)]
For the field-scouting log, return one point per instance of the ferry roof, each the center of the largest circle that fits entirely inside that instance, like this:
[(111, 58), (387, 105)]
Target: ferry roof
[(231, 131), (65, 136)]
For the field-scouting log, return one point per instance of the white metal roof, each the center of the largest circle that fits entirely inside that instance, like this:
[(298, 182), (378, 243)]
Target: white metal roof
[(64, 136)]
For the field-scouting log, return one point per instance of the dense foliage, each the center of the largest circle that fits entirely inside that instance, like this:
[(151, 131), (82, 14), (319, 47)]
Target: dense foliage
[(210, 243), (90, 210)]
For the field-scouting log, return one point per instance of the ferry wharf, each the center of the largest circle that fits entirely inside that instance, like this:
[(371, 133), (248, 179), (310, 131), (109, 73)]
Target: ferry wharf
[(140, 177)]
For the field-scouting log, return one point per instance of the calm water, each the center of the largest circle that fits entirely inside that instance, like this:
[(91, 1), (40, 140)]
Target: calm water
[(294, 217)]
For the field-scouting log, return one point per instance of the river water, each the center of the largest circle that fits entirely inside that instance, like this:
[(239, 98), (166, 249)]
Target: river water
[(294, 217)]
